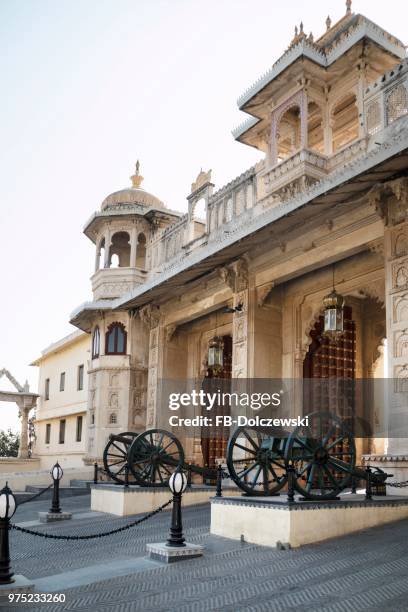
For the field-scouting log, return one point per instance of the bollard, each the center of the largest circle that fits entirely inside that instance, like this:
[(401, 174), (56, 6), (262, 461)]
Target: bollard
[(219, 481), (369, 494), (95, 473), (126, 476), (353, 485), (291, 483), (189, 478), (177, 484), (7, 509), (56, 474)]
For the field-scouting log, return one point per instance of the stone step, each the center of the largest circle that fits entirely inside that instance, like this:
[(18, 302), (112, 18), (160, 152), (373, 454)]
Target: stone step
[(81, 484)]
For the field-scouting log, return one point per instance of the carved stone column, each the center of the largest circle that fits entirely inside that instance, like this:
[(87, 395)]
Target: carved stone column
[(150, 315), (236, 277), (394, 201), (23, 449), (107, 248)]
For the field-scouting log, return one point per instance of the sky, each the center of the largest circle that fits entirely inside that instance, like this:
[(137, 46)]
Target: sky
[(88, 87)]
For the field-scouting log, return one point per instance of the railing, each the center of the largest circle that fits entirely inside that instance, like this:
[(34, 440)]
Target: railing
[(386, 100)]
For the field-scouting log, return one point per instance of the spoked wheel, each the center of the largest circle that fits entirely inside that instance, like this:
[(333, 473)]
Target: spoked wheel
[(115, 456), (323, 455), (256, 461), (154, 455)]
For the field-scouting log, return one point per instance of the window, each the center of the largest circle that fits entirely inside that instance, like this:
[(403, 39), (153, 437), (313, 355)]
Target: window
[(62, 381), (80, 377), (47, 389), (92, 419), (113, 418), (62, 431), (47, 433), (79, 429), (96, 341), (116, 339)]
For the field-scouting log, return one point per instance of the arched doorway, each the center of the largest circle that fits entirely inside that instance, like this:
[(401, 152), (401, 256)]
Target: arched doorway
[(329, 370), (214, 440)]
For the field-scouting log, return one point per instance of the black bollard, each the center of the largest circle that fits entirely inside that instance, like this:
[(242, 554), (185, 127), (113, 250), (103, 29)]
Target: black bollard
[(369, 494), (95, 473), (219, 482), (56, 474), (291, 483), (126, 476), (177, 484), (189, 479), (353, 485), (7, 509)]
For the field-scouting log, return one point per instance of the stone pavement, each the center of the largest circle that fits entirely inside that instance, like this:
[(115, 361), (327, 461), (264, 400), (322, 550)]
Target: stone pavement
[(366, 571)]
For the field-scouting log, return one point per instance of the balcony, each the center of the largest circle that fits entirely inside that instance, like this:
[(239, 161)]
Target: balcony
[(110, 283)]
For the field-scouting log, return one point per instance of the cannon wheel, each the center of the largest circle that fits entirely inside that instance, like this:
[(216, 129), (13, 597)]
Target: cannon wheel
[(256, 462), (153, 456), (115, 456), (323, 454)]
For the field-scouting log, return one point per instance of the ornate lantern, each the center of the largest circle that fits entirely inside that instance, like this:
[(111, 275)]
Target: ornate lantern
[(333, 315), (216, 353)]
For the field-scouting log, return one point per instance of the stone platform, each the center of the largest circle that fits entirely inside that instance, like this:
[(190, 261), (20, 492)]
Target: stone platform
[(122, 501), (269, 520)]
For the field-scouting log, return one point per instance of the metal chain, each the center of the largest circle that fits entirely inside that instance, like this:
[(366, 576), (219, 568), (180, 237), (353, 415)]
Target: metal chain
[(398, 485), (94, 535), (34, 496)]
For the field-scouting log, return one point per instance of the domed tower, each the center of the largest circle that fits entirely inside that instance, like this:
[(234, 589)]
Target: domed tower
[(122, 232)]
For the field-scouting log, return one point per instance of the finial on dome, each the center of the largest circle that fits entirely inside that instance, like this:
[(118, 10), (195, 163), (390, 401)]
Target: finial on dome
[(348, 7), (301, 27), (136, 178), (328, 22)]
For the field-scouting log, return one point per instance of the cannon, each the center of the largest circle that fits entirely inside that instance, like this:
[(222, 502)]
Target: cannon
[(322, 454)]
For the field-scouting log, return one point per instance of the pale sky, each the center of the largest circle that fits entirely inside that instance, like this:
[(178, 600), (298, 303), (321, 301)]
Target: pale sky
[(89, 86)]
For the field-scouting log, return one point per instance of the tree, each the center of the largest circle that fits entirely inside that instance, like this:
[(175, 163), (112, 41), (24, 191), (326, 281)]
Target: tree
[(9, 443)]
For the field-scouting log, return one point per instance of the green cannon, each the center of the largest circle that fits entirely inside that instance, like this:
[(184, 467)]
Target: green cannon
[(321, 453)]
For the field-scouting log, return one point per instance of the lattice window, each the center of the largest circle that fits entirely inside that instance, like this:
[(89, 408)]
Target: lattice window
[(113, 418), (397, 103), (374, 118)]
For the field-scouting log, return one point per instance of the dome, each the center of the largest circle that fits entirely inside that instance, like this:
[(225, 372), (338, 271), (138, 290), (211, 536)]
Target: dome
[(133, 195)]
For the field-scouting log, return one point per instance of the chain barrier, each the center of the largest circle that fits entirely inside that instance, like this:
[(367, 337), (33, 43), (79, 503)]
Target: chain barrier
[(93, 535), (34, 496), (398, 485)]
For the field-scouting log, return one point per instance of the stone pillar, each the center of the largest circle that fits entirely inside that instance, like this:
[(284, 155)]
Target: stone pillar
[(150, 315), (107, 248), (303, 121), (133, 247), (394, 202), (23, 449)]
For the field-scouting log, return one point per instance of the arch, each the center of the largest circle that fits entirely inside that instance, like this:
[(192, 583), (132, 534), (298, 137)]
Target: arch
[(288, 133), (315, 134), (199, 211), (116, 338), (141, 251), (401, 344), (120, 246), (96, 343), (344, 121)]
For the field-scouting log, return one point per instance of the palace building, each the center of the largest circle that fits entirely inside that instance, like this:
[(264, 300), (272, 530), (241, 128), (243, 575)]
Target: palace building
[(248, 272)]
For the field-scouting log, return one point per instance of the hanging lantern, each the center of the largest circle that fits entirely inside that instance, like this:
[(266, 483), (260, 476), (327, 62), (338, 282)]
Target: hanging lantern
[(333, 315), (216, 353)]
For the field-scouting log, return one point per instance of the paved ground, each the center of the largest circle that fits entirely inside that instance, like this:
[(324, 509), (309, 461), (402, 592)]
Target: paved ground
[(367, 571)]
